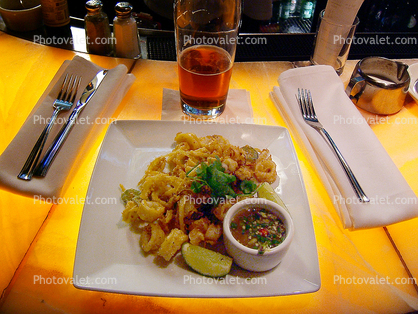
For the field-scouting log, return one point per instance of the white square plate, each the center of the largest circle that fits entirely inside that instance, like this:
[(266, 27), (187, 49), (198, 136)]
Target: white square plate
[(108, 256)]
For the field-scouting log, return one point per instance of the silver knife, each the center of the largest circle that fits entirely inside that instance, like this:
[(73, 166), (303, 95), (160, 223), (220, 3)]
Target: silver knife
[(91, 88)]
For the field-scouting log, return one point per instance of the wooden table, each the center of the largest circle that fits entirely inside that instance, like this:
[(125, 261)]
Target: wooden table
[(39, 239)]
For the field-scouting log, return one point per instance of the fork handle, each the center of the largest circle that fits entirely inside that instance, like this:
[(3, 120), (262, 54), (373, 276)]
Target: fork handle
[(355, 184), (28, 168), (45, 163)]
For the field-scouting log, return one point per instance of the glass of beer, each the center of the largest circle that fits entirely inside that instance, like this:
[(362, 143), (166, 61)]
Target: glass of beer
[(206, 40)]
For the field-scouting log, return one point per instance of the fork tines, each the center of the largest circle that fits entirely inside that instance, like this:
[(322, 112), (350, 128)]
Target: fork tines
[(69, 88), (304, 98)]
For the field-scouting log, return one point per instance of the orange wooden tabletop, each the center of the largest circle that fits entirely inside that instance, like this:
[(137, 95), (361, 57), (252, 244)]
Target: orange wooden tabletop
[(39, 239)]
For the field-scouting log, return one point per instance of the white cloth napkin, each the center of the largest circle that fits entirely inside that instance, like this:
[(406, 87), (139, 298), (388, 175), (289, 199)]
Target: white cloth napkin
[(237, 110), (90, 122), (391, 198)]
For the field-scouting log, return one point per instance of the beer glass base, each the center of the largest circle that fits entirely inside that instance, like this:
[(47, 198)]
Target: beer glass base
[(338, 66), (202, 113)]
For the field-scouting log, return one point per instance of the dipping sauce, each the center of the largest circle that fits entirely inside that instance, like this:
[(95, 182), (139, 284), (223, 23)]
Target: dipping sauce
[(258, 228)]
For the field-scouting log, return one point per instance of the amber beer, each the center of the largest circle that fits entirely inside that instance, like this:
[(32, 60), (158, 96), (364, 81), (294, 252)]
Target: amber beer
[(204, 75)]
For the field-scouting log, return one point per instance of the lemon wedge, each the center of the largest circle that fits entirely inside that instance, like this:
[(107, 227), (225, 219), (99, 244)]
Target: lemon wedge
[(206, 262), (266, 191)]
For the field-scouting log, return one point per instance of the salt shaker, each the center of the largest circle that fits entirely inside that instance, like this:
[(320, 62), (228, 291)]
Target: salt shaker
[(98, 35), (126, 32)]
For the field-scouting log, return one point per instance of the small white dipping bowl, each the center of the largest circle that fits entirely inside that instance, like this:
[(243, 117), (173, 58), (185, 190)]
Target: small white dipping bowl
[(246, 257)]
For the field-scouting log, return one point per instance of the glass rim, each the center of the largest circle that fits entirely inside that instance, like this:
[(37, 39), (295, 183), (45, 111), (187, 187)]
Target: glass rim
[(355, 23)]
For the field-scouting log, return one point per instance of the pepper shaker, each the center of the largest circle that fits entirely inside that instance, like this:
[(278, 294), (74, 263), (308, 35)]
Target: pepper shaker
[(126, 32), (98, 35)]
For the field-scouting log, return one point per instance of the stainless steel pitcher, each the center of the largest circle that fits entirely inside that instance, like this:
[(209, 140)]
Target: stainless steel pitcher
[(379, 85)]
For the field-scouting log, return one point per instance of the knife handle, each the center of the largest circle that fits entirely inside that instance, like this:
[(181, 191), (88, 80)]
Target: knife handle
[(43, 166)]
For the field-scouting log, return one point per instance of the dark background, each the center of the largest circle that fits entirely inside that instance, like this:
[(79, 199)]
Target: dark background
[(375, 15), (387, 19)]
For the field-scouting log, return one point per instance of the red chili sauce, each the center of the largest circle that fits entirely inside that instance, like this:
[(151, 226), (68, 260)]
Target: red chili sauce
[(258, 228)]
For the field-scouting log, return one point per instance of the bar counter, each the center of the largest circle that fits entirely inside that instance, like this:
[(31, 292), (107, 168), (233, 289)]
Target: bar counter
[(38, 240)]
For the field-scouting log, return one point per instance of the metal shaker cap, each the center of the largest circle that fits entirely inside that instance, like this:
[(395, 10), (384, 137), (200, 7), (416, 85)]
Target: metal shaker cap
[(94, 5), (123, 9)]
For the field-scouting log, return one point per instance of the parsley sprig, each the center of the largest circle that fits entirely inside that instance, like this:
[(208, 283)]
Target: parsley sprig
[(213, 176)]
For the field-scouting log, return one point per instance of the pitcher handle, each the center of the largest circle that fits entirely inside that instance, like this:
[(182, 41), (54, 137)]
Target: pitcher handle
[(355, 87)]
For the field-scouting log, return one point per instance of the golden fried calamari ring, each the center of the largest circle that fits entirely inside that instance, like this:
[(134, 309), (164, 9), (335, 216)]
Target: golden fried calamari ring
[(213, 233), (172, 243), (265, 171), (230, 165), (152, 236), (150, 211), (189, 138), (130, 213), (196, 236)]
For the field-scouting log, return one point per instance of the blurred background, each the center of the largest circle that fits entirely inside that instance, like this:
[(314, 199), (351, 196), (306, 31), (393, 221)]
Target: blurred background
[(280, 16), (286, 27)]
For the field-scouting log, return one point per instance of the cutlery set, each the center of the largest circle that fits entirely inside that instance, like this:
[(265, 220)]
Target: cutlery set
[(64, 101)]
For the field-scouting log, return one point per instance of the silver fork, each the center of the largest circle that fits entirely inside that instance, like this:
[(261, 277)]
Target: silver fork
[(305, 101), (64, 101)]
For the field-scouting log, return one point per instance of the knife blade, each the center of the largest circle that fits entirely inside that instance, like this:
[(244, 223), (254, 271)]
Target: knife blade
[(91, 88)]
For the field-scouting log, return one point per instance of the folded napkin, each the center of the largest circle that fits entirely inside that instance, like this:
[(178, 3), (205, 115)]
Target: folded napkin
[(391, 198), (90, 122), (238, 107)]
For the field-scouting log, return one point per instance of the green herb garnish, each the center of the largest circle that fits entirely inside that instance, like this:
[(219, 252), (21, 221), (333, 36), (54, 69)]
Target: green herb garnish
[(213, 176), (247, 186)]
